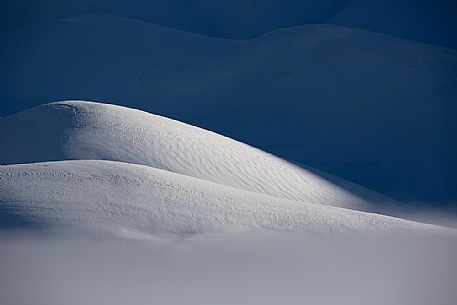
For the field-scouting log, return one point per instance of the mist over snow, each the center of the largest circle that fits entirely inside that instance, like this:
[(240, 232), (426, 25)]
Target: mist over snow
[(155, 206), (229, 269)]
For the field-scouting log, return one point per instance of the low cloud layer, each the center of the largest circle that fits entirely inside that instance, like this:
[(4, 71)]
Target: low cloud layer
[(230, 269)]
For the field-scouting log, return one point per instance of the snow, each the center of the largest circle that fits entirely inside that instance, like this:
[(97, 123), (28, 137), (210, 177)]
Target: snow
[(420, 20), (163, 176), (367, 107), (119, 199), (229, 19), (430, 21), (85, 130)]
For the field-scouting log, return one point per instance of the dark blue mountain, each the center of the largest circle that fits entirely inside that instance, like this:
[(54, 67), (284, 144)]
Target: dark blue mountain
[(430, 21)]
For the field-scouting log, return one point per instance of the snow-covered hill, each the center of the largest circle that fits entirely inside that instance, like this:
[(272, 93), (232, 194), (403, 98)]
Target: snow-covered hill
[(126, 200), (85, 130), (163, 176), (370, 108)]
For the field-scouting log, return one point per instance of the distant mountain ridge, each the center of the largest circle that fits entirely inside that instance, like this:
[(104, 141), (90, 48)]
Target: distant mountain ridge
[(230, 19), (429, 21)]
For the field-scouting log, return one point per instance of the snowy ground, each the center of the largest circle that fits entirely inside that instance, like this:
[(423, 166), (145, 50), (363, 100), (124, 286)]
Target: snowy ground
[(83, 130), (106, 204), (123, 171), (167, 177), (120, 199)]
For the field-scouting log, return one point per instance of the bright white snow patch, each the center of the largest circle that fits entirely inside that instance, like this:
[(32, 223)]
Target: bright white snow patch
[(86, 130), (137, 201)]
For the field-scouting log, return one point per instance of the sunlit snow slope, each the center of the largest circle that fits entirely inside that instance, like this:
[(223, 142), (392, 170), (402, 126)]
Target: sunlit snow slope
[(126, 172), (126, 200), (86, 130)]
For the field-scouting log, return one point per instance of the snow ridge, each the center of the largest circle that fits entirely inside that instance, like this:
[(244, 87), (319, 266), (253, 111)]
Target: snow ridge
[(85, 130), (128, 173), (125, 200)]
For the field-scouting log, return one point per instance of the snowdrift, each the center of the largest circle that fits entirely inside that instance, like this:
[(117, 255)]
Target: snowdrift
[(87, 130), (138, 174), (135, 201), (368, 107)]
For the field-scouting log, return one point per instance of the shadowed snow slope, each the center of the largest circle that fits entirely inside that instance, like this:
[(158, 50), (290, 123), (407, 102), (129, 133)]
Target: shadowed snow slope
[(367, 107), (234, 18), (93, 196), (86, 130), (431, 21)]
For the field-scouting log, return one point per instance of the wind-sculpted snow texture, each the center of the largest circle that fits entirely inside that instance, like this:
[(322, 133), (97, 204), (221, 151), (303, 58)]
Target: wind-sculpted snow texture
[(126, 200), (85, 130), (367, 107), (148, 174)]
